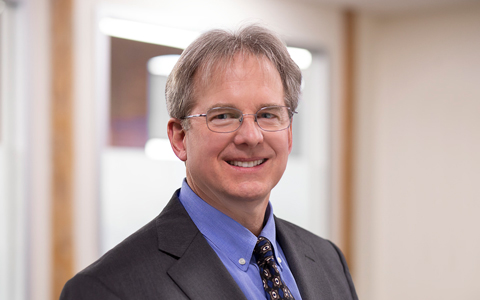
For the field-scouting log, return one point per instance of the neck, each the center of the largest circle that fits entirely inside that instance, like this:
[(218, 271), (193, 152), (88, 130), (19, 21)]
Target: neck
[(249, 212), (251, 217)]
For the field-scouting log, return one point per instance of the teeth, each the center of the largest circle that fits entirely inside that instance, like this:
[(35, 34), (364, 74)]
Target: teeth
[(246, 164)]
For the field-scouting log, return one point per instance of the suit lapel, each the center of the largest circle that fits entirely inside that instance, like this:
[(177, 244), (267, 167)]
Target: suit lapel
[(198, 271), (202, 275), (307, 270)]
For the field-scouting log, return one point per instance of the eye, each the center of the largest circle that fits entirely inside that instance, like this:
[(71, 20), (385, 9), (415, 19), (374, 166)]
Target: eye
[(222, 116), (267, 115)]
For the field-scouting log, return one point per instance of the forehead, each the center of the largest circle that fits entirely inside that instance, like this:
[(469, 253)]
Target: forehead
[(214, 74)]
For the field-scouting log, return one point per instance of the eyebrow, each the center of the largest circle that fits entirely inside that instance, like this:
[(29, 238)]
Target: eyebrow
[(232, 105), (220, 104)]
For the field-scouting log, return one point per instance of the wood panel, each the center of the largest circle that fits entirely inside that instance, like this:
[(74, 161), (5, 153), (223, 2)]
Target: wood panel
[(62, 143), (348, 138)]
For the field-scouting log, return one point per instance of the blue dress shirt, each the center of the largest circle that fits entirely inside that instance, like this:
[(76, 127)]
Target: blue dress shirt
[(234, 244)]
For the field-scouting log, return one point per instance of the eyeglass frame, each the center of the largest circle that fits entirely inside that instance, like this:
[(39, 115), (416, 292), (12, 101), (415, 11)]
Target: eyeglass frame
[(290, 116)]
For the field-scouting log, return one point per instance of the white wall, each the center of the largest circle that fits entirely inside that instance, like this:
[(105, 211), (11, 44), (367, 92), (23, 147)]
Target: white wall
[(25, 163), (418, 163)]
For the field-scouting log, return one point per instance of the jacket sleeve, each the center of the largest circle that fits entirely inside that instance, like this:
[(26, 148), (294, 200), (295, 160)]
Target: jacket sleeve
[(83, 287), (347, 272)]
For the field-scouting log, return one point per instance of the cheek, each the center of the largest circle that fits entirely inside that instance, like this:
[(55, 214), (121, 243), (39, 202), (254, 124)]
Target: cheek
[(282, 144), (203, 146)]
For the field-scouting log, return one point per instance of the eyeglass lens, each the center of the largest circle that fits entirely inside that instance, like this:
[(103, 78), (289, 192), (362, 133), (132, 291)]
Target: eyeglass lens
[(225, 119)]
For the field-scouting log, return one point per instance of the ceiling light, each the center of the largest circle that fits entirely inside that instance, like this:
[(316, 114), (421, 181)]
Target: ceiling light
[(162, 65), (174, 37), (147, 33), (302, 57)]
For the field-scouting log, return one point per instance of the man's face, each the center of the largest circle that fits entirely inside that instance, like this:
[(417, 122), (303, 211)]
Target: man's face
[(216, 162)]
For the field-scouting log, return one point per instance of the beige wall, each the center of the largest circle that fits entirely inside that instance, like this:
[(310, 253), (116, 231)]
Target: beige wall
[(418, 156)]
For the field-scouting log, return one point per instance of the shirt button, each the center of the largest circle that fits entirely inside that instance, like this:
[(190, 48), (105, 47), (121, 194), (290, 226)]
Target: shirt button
[(242, 261), (279, 260)]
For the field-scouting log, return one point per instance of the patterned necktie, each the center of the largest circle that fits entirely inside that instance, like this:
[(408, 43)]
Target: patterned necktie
[(273, 284)]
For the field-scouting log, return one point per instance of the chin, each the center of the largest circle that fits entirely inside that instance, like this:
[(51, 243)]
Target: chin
[(252, 191)]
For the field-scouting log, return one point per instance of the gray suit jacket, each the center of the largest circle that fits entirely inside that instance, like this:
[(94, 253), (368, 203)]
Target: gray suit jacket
[(170, 259)]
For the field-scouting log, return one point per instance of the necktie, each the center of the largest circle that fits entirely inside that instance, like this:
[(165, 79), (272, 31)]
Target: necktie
[(273, 284)]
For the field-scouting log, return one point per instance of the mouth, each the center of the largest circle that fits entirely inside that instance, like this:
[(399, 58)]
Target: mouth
[(247, 164)]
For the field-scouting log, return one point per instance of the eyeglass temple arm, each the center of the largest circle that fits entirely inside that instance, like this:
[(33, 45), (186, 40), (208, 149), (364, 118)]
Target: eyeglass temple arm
[(193, 116)]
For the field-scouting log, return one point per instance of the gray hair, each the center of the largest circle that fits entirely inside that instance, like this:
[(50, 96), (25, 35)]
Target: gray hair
[(220, 46)]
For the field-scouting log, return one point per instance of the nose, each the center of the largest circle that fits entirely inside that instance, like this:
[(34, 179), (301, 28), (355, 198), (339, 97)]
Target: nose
[(249, 133)]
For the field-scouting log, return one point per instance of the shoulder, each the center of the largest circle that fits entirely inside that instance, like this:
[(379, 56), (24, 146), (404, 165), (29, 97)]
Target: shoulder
[(290, 230), (135, 250), (104, 278), (122, 268), (140, 251), (298, 242), (83, 286), (134, 269), (324, 248)]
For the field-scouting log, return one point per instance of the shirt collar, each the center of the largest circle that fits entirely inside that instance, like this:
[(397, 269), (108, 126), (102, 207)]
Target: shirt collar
[(223, 232)]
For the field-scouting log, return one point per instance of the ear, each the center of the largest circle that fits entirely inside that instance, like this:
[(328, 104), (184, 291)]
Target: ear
[(290, 138), (176, 135)]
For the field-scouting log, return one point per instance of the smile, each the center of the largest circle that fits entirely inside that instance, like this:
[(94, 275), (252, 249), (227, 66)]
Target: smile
[(247, 164)]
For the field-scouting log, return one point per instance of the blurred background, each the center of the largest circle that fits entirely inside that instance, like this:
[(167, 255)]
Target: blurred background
[(386, 144)]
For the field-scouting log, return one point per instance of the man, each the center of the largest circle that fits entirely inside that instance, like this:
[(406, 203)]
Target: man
[(231, 98)]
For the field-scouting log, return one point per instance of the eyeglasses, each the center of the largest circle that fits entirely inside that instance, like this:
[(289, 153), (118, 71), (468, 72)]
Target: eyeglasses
[(227, 119)]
